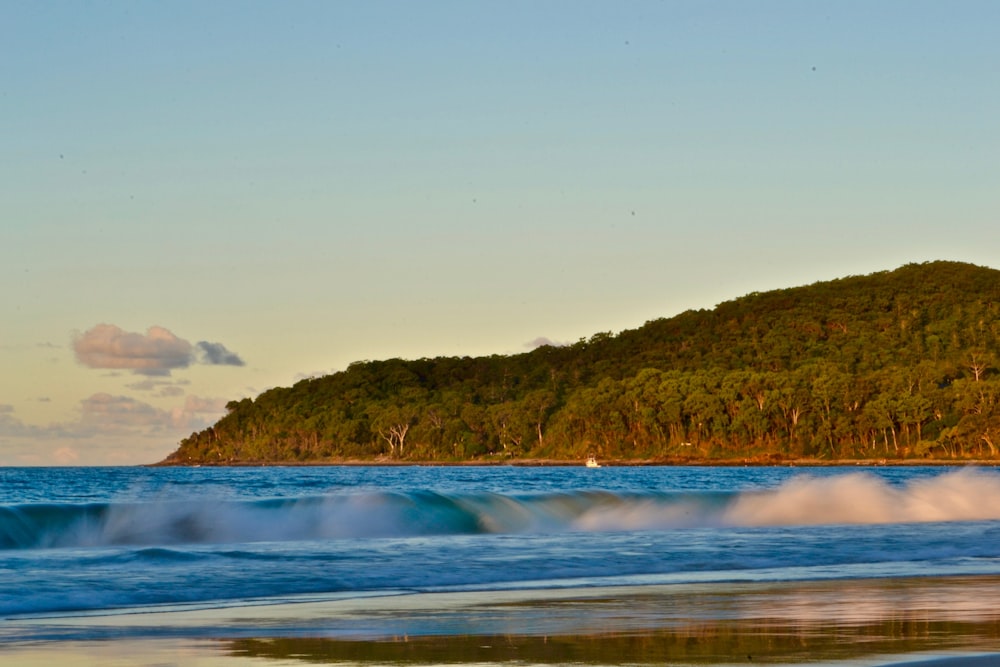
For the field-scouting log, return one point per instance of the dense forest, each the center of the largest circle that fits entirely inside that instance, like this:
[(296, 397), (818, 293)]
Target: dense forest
[(894, 365)]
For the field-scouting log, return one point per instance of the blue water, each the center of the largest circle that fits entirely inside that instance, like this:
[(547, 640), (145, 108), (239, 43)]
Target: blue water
[(98, 539)]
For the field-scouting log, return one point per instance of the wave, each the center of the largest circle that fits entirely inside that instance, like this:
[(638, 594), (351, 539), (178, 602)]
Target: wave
[(854, 498)]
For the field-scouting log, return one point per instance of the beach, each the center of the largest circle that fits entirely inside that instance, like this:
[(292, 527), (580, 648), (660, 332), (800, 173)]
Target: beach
[(951, 621)]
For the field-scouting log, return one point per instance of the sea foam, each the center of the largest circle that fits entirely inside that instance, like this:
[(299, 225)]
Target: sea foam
[(852, 498)]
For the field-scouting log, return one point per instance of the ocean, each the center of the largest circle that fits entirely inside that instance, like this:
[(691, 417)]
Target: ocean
[(429, 565)]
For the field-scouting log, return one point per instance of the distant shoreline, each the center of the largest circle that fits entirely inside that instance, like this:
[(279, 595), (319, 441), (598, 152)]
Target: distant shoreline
[(609, 463)]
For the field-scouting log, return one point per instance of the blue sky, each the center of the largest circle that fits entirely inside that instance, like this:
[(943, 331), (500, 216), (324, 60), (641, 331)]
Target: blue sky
[(199, 201)]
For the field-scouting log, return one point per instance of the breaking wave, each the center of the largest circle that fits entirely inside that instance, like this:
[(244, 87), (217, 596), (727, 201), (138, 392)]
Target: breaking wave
[(855, 498)]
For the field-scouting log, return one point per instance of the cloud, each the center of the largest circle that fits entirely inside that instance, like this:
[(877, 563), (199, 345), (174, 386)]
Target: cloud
[(314, 375), (163, 388), (117, 413), (217, 354), (148, 385), (103, 415), (198, 412), (65, 456), (155, 353), (542, 341), (11, 426), (120, 412), (108, 429)]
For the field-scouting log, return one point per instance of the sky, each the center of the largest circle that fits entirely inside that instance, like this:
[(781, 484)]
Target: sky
[(203, 200)]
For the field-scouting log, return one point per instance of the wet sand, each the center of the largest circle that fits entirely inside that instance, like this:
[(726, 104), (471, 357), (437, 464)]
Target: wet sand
[(985, 660), (299, 653), (953, 621)]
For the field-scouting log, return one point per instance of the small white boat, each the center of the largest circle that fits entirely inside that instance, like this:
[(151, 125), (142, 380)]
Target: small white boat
[(592, 462)]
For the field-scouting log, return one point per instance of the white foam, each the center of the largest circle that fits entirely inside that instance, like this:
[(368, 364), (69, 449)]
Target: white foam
[(862, 498), (854, 498)]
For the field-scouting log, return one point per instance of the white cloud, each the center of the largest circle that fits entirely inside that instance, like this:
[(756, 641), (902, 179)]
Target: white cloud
[(157, 352)]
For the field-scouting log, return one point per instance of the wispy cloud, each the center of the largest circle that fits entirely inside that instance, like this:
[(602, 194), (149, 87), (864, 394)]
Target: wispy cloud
[(103, 415), (312, 376), (542, 341), (115, 413), (123, 413), (155, 353), (65, 456), (160, 387), (107, 428), (11, 426), (198, 412)]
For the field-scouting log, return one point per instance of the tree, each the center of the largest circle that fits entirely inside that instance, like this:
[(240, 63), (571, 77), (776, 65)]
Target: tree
[(890, 364), (392, 423)]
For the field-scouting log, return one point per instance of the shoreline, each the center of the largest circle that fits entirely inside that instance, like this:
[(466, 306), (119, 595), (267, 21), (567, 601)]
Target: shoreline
[(604, 463)]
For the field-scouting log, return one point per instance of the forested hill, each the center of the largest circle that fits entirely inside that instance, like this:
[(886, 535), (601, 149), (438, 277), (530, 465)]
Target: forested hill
[(897, 364)]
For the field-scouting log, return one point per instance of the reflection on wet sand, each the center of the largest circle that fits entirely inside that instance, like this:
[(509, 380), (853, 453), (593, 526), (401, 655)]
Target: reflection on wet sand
[(709, 644), (762, 623), (862, 622)]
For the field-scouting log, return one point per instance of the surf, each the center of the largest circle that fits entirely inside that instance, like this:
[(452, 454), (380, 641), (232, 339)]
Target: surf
[(848, 498)]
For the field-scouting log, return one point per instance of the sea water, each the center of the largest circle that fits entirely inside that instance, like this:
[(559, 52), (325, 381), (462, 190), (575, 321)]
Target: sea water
[(105, 541)]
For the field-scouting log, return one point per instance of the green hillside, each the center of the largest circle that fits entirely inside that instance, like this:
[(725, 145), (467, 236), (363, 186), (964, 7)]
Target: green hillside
[(897, 364)]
